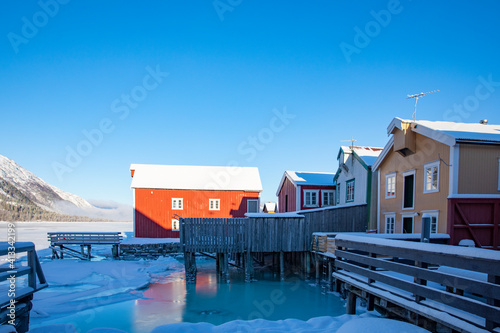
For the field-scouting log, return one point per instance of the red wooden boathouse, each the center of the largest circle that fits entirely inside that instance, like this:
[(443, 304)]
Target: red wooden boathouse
[(163, 193)]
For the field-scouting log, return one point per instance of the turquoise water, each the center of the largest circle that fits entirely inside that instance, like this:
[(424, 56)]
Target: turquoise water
[(168, 300)]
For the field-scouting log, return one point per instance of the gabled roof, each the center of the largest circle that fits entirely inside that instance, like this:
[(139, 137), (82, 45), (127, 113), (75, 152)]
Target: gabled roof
[(448, 133), (189, 177), (307, 178), (367, 154)]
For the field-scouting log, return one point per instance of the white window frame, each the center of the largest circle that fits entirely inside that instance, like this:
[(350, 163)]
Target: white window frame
[(388, 216), (428, 166), (433, 214), (499, 173), (408, 173), (215, 203), (330, 198), (387, 177), (258, 205), (177, 203), (347, 183), (175, 225), (337, 199), (408, 215), (306, 192)]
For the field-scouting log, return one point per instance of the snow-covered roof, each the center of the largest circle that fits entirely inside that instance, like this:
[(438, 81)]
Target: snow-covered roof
[(270, 206), (450, 132), (307, 178), (367, 154), (189, 177)]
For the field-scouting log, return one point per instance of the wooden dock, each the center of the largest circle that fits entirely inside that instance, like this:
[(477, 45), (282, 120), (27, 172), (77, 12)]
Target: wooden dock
[(60, 241), (15, 299), (439, 287)]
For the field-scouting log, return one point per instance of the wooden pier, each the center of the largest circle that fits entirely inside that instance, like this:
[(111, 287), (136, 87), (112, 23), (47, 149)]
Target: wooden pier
[(439, 287), (15, 299), (60, 241)]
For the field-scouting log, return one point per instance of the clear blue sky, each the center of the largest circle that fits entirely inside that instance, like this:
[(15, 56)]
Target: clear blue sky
[(341, 68)]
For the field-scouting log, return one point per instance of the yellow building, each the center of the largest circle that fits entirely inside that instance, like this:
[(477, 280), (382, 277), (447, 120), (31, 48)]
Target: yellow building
[(448, 170)]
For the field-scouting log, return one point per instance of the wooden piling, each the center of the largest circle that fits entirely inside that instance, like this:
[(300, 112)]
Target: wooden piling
[(190, 267), (225, 267), (317, 268), (282, 266), (351, 303), (248, 266), (330, 275)]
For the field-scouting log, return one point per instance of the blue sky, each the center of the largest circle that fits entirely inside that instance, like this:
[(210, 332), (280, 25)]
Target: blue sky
[(202, 82)]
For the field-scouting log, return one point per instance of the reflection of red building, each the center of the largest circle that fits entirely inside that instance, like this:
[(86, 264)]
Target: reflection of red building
[(164, 192)]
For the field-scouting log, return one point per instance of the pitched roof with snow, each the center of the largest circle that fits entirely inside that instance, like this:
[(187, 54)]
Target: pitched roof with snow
[(189, 177), (367, 154), (446, 132), (307, 178), (449, 132)]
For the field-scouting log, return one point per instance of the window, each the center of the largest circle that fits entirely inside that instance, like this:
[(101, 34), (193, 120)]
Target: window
[(338, 194), (177, 203), (407, 224), (431, 174), (390, 223), (434, 220), (390, 185), (175, 225), (349, 191), (328, 197), (311, 198), (408, 189), (214, 204), (252, 206)]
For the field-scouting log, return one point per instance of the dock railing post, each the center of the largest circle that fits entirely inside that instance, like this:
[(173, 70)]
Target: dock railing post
[(490, 325)]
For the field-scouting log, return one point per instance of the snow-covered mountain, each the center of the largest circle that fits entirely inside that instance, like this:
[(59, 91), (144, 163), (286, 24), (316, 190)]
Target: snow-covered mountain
[(38, 191)]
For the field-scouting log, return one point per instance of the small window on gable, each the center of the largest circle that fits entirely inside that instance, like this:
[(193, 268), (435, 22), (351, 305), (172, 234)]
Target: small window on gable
[(431, 174), (390, 186), (177, 203), (214, 204)]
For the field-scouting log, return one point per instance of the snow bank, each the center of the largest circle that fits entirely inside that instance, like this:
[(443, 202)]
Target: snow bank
[(144, 241), (366, 322)]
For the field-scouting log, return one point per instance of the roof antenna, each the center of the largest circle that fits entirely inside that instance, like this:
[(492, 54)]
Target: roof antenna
[(416, 96), (352, 142)]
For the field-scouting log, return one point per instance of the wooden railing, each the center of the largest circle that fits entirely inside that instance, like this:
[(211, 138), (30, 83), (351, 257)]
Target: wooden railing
[(18, 282), (462, 282), (219, 235)]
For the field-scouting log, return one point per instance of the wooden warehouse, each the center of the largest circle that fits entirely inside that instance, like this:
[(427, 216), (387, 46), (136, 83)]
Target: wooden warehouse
[(164, 193)]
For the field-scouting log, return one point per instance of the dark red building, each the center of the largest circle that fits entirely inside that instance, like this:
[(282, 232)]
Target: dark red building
[(305, 190)]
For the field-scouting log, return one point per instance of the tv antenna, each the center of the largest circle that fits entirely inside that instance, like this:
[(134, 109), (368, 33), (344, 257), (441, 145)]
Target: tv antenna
[(352, 142), (416, 96)]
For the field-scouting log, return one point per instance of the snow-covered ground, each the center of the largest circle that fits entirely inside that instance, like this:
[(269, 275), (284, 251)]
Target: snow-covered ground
[(80, 288)]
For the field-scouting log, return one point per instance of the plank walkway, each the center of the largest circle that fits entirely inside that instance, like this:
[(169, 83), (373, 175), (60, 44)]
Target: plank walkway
[(59, 242)]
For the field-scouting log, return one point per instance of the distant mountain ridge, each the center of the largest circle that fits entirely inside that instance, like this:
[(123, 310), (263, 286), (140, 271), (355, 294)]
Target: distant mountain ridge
[(26, 197)]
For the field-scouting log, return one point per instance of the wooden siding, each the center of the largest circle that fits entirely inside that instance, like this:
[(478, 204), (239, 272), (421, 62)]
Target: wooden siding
[(154, 213), (478, 169), (476, 219), (427, 150), (268, 234), (287, 189)]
